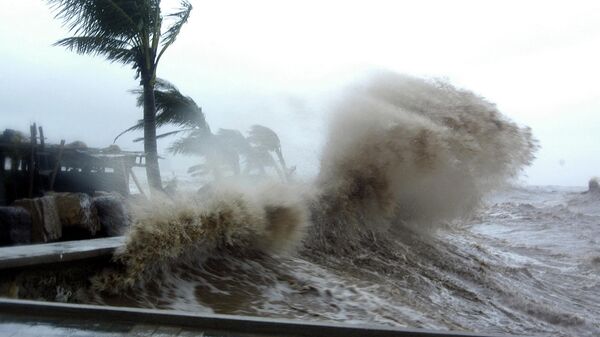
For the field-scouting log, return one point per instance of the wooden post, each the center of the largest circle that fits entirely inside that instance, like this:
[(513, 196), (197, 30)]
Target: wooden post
[(42, 142), (57, 164), (44, 163), (2, 179), (33, 131), (137, 183)]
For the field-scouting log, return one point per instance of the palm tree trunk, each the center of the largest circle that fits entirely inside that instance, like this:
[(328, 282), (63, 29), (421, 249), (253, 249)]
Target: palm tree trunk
[(150, 147)]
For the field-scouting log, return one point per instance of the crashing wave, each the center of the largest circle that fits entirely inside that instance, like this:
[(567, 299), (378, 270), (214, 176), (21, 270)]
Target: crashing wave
[(400, 151), (403, 150), (266, 219)]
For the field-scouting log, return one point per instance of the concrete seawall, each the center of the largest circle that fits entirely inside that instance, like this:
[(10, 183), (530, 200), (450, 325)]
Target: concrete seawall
[(118, 321), (36, 318), (39, 254)]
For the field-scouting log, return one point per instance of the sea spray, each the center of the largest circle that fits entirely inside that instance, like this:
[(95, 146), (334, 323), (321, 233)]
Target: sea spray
[(402, 153), (269, 218), (411, 152), (403, 156)]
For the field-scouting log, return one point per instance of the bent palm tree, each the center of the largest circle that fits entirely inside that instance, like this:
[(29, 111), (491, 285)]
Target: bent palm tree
[(265, 138), (129, 32), (220, 150), (225, 148)]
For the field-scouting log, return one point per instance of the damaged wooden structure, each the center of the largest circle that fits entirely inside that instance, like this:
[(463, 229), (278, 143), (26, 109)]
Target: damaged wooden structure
[(57, 192), (29, 167)]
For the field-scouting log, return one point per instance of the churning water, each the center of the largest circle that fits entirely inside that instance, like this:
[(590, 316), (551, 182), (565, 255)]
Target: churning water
[(409, 223)]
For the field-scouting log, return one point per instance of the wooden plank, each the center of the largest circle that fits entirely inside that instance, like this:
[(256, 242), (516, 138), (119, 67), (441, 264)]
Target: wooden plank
[(31, 255), (226, 324), (32, 161)]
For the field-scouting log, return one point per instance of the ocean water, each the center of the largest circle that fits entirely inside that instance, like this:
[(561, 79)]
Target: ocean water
[(527, 262), (410, 222)]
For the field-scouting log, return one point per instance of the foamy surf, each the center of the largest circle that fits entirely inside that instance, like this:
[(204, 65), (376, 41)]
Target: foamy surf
[(264, 219)]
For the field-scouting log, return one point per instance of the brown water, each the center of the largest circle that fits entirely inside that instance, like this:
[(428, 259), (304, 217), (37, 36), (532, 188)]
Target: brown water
[(401, 226)]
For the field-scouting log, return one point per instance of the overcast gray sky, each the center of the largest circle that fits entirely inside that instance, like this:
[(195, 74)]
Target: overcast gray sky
[(280, 63)]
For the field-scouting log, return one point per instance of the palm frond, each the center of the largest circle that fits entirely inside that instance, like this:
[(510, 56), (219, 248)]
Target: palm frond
[(109, 18), (173, 108), (233, 139), (180, 17), (138, 126), (164, 85), (262, 136), (197, 142), (166, 134), (113, 49)]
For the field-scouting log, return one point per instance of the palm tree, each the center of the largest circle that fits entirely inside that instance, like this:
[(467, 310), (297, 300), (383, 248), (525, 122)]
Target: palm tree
[(223, 150), (129, 32), (265, 138), (220, 150)]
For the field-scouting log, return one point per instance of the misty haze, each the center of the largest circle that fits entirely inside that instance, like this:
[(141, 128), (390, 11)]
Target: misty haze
[(268, 168)]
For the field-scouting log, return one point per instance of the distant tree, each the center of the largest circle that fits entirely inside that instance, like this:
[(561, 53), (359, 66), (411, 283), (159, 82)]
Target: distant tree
[(221, 151), (265, 138), (224, 151), (129, 32)]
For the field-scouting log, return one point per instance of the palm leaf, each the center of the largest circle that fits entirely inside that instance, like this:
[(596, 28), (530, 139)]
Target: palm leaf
[(166, 134), (233, 139), (173, 108), (180, 17), (138, 126), (113, 49), (197, 142), (264, 137), (109, 18)]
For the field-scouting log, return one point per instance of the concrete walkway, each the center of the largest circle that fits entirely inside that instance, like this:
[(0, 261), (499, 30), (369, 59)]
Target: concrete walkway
[(29, 255)]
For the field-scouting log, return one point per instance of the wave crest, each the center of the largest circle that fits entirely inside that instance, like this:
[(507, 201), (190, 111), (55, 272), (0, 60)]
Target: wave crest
[(411, 151)]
